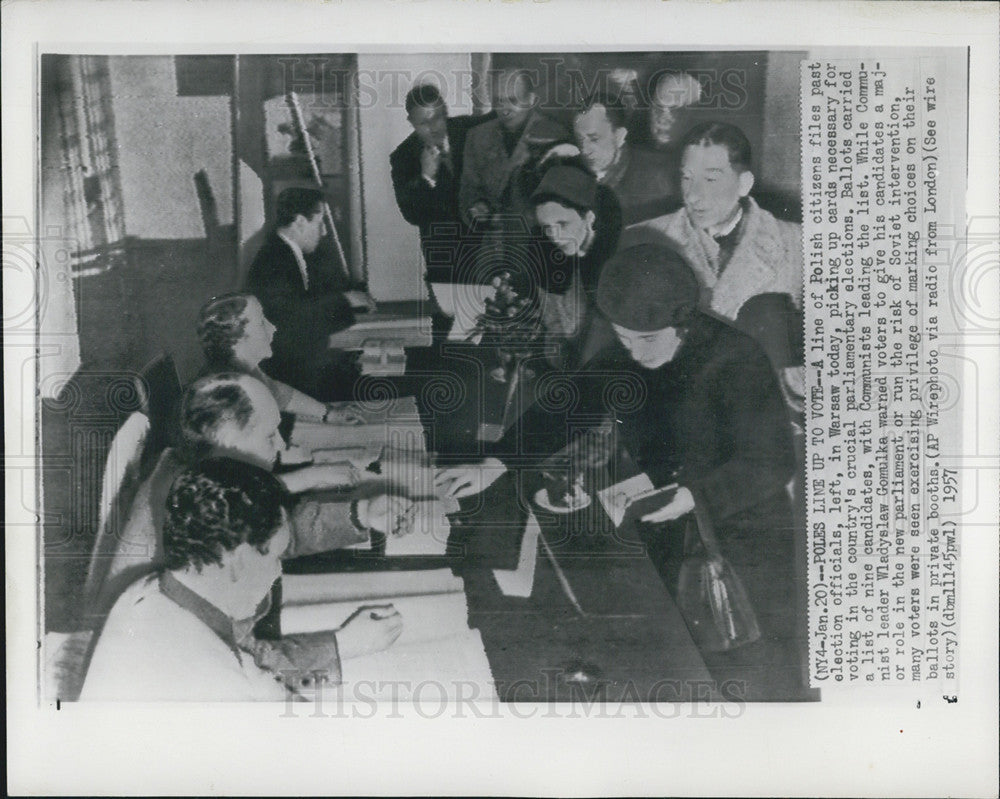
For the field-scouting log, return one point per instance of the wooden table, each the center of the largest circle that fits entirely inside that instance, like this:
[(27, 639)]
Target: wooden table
[(615, 635)]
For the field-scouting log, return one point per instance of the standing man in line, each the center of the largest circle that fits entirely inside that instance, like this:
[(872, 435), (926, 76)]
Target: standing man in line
[(426, 172), (496, 149), (737, 250), (644, 180)]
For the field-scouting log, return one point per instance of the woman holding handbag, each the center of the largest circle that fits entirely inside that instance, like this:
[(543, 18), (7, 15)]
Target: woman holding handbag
[(713, 421)]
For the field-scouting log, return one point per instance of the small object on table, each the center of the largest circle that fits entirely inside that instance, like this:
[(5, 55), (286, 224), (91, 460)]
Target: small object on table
[(563, 492)]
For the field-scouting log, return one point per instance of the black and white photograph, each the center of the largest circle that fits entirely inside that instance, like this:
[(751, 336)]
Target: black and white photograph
[(567, 379)]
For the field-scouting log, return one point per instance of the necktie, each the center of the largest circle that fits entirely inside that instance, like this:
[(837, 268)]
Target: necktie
[(727, 245)]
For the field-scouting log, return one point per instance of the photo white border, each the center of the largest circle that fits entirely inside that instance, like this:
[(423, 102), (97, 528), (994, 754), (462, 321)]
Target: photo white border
[(849, 744)]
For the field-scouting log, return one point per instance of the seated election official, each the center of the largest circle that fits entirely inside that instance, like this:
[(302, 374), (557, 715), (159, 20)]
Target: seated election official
[(304, 298), (236, 336), (235, 416), (186, 632)]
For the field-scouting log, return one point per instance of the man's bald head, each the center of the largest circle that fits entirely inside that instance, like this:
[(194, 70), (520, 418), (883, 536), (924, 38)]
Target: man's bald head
[(231, 414)]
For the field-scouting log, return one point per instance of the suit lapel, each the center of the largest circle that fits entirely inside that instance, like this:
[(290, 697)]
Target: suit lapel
[(752, 266)]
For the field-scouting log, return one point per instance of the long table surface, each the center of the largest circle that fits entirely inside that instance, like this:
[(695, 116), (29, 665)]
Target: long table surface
[(614, 634)]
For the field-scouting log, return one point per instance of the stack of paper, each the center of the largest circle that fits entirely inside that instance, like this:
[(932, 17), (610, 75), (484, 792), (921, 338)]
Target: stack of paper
[(407, 331), (435, 648)]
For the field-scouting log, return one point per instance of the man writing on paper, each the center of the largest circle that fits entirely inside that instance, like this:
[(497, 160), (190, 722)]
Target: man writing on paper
[(186, 633)]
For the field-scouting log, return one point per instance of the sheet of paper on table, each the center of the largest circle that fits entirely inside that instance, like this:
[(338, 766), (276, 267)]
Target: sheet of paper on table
[(454, 668), (616, 498), (436, 644), (463, 302), (520, 581), (394, 424), (305, 589)]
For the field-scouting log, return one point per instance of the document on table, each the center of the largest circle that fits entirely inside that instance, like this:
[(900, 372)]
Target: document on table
[(519, 582), (616, 498), (304, 589)]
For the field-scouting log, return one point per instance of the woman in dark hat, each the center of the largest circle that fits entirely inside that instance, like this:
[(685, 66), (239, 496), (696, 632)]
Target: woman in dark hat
[(581, 222), (713, 422)]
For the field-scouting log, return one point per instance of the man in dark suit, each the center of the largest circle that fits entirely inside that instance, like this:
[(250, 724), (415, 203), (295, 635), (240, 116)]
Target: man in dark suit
[(304, 298), (426, 169)]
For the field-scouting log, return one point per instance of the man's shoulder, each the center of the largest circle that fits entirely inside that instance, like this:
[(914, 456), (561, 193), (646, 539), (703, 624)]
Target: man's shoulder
[(466, 122), (409, 146), (273, 256), (672, 228), (483, 132)]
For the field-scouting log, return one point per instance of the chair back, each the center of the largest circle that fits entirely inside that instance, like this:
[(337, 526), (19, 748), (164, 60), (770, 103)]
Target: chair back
[(122, 478), (160, 386)]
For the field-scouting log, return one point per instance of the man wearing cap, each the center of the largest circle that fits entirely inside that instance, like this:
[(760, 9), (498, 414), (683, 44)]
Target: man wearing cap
[(643, 180)]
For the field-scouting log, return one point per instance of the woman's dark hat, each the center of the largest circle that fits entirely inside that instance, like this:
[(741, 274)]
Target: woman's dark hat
[(646, 287), (569, 183)]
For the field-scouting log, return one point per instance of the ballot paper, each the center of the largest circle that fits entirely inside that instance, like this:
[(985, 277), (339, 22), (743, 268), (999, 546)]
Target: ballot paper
[(429, 617), (436, 645), (616, 498), (520, 581), (398, 433), (429, 671), (305, 589)]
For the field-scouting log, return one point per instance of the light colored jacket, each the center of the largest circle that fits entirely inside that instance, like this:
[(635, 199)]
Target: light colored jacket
[(768, 258)]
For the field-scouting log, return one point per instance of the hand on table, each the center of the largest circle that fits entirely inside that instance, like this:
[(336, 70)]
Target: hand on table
[(342, 416), (680, 503), (387, 514), (370, 629), (463, 481)]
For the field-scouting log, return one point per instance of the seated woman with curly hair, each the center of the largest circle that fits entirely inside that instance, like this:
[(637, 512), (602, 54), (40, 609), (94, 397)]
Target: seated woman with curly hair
[(236, 336)]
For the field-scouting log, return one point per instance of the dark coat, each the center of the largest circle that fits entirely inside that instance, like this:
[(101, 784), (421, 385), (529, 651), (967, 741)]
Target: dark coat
[(304, 318), (714, 420), (434, 210), (645, 182)]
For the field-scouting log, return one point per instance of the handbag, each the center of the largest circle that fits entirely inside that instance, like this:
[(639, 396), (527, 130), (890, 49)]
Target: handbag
[(710, 595)]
